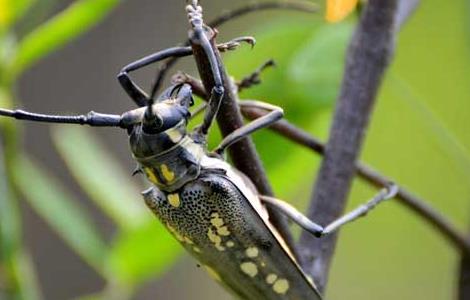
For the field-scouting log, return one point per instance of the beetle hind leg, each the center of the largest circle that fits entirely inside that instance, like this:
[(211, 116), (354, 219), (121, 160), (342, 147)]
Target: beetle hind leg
[(319, 231)]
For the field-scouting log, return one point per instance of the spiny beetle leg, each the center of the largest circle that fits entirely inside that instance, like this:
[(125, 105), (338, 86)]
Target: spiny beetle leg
[(131, 88), (199, 37)]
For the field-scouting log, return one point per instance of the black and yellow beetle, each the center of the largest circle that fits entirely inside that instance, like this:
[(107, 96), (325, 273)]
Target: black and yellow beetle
[(212, 209)]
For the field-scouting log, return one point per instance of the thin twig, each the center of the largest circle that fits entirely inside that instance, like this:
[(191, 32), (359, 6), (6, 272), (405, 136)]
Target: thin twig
[(230, 15), (419, 206), (368, 56)]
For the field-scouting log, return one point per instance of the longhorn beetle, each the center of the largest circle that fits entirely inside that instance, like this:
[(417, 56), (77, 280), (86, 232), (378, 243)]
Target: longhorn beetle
[(212, 209)]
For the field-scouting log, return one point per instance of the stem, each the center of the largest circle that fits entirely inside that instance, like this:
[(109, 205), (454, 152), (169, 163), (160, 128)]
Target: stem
[(368, 57)]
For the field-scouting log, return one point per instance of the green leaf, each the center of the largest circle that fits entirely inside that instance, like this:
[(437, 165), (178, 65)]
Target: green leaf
[(10, 218), (111, 188), (60, 29), (142, 253), (61, 211), (317, 67)]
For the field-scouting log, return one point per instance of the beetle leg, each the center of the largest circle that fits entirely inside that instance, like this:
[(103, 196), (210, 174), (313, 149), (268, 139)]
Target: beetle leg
[(233, 44), (217, 92), (275, 114), (132, 89), (292, 213), (319, 231)]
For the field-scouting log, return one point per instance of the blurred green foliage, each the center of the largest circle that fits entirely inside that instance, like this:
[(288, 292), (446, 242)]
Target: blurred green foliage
[(419, 135)]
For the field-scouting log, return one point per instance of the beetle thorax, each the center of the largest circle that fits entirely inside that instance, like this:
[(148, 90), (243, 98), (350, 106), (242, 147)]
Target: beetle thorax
[(168, 159)]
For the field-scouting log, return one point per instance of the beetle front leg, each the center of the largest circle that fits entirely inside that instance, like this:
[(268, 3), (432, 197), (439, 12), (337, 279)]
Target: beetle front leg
[(319, 231), (217, 92), (131, 88)]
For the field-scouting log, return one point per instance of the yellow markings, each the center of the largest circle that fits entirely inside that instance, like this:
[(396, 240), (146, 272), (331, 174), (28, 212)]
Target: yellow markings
[(249, 269), (220, 230), (271, 278), (167, 173), (197, 249), (218, 223), (252, 252), (153, 179), (215, 239), (188, 240), (336, 10), (223, 231), (216, 220), (174, 200), (174, 135), (212, 273), (281, 286)]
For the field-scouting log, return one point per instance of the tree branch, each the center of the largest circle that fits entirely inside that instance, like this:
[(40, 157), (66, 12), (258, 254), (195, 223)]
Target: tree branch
[(419, 206), (368, 56)]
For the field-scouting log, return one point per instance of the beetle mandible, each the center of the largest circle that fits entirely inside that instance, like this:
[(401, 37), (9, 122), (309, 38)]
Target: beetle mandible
[(212, 209)]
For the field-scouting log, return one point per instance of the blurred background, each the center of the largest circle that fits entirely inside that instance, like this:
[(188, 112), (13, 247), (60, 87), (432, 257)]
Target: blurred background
[(84, 226)]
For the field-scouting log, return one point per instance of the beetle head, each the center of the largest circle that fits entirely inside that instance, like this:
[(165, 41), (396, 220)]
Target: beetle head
[(162, 125)]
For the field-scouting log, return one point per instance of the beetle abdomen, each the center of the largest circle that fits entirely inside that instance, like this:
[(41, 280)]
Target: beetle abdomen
[(217, 224)]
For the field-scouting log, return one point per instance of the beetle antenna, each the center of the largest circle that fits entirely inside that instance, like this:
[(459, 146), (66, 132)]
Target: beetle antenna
[(92, 118)]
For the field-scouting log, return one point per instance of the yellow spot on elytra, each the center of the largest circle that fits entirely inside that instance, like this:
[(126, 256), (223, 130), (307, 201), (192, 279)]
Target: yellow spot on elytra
[(271, 278), (212, 273), (281, 286), (151, 176), (336, 10), (188, 240), (215, 239), (249, 269), (230, 244), (252, 252), (197, 249), (174, 200), (223, 231), (218, 223), (167, 173), (216, 220), (174, 135)]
